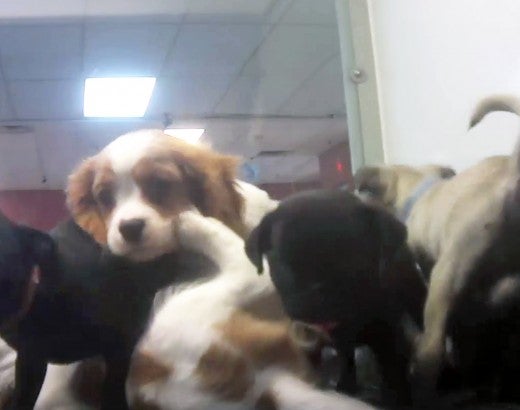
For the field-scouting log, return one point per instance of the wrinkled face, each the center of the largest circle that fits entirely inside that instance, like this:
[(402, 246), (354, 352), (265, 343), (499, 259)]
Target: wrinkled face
[(388, 183), (323, 268), (128, 196)]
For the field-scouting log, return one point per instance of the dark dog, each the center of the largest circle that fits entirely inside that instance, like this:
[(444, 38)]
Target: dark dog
[(336, 260), (62, 299)]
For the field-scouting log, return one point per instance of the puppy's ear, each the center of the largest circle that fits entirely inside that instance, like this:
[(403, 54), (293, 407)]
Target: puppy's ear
[(211, 181), (368, 180), (447, 172), (36, 244), (81, 201), (259, 242), (227, 203)]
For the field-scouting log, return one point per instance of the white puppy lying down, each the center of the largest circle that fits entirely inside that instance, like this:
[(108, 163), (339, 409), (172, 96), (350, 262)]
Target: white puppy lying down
[(205, 350)]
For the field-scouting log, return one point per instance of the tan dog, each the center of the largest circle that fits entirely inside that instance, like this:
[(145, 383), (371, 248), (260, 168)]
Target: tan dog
[(457, 223)]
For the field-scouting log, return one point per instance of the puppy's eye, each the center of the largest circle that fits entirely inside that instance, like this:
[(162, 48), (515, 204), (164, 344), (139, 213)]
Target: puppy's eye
[(158, 189), (105, 197)]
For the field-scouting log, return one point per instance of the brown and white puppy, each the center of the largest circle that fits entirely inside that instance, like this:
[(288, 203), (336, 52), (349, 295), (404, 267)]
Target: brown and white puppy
[(465, 225), (129, 194), (205, 350), (151, 176)]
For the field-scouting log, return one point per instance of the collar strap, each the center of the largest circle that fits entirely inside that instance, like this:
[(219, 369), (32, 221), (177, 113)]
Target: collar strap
[(28, 298), (421, 189)]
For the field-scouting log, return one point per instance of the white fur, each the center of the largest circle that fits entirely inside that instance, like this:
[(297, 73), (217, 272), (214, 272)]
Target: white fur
[(257, 204), (124, 153), (185, 327), (56, 392), (157, 238)]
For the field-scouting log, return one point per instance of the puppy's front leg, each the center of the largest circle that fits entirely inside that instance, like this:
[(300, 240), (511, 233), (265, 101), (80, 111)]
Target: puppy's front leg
[(30, 372), (114, 396)]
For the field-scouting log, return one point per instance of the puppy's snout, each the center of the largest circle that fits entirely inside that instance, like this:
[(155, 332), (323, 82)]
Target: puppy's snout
[(132, 229)]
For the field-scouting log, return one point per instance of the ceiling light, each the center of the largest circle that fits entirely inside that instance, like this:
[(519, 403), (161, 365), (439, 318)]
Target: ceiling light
[(191, 135), (121, 97)]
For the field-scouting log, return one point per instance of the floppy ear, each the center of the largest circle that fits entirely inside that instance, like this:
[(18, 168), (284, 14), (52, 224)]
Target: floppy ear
[(39, 245), (368, 180), (81, 201), (259, 242), (224, 200), (212, 186)]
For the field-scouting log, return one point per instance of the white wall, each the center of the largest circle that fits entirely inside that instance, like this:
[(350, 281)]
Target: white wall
[(435, 60)]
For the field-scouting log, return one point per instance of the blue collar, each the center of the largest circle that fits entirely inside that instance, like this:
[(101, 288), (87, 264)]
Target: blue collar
[(423, 187)]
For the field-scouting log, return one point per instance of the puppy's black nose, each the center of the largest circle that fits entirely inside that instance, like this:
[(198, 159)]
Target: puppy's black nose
[(132, 229)]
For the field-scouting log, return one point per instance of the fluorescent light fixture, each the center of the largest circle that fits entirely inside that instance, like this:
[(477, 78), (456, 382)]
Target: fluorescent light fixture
[(191, 135), (121, 97)]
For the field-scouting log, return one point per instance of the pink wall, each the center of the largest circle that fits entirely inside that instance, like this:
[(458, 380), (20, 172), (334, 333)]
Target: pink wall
[(39, 209), (335, 168)]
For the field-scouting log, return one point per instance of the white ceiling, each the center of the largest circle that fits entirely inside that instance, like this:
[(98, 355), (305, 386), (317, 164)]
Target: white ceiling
[(232, 66)]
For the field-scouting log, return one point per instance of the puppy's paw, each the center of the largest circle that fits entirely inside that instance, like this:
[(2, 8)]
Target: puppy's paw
[(188, 226), (194, 230), (206, 235)]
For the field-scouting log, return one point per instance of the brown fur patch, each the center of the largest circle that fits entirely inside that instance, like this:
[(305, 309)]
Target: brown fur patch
[(209, 179), (145, 369), (266, 342), (224, 373), (266, 401), (81, 201), (162, 185)]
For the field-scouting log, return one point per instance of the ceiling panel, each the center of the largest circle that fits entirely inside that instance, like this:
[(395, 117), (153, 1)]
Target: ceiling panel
[(311, 12), (203, 48), (257, 95), (167, 9), (295, 49), (41, 52), (39, 8), (322, 94), (127, 49), (237, 11), (5, 108), (47, 99), (187, 94), (288, 56)]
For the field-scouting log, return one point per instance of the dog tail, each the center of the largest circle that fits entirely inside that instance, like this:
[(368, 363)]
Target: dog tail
[(507, 103), (288, 392)]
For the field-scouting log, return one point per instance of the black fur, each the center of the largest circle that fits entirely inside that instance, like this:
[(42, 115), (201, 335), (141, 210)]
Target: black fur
[(88, 303), (334, 258)]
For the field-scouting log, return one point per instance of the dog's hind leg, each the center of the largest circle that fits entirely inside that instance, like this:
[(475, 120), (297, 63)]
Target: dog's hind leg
[(430, 350)]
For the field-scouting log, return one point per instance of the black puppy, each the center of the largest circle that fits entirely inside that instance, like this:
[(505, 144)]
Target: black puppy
[(336, 260), (62, 299)]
